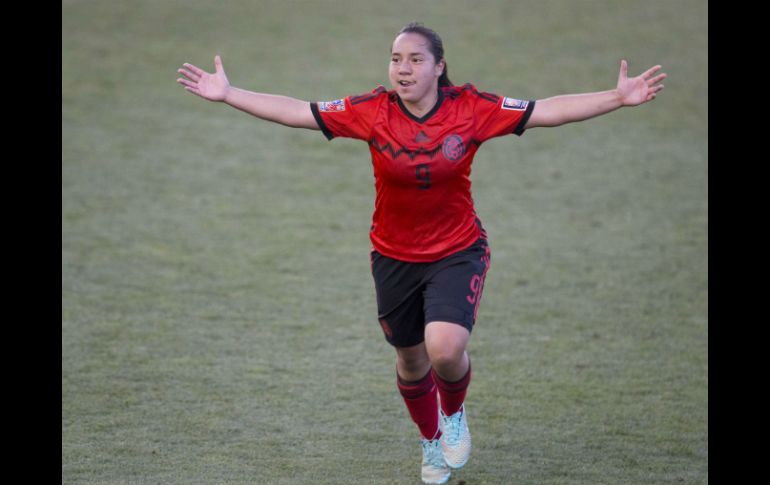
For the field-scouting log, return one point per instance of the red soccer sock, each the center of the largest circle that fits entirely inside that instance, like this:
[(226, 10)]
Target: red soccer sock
[(420, 399), (452, 393)]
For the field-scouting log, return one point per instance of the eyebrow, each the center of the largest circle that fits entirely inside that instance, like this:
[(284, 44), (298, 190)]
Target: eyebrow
[(411, 54)]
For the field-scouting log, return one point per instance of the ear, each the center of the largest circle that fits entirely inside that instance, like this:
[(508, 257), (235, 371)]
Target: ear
[(440, 67)]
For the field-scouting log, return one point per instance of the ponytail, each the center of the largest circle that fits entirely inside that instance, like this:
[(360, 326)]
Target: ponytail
[(444, 81)]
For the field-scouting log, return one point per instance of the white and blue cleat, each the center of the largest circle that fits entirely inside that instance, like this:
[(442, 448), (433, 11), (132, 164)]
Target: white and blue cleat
[(455, 438), (434, 468)]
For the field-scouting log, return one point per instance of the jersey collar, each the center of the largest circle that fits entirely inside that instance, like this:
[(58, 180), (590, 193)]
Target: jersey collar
[(428, 114)]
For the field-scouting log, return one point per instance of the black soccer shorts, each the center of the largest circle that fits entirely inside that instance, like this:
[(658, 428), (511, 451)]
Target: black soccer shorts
[(409, 295)]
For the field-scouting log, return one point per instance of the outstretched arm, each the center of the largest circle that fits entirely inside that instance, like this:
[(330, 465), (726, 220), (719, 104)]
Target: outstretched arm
[(578, 107), (215, 87)]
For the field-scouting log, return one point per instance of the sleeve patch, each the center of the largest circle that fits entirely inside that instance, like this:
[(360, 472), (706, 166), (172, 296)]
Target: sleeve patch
[(514, 104), (336, 105)]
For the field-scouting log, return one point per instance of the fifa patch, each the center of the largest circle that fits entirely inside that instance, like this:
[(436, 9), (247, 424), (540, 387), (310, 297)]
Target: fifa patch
[(515, 104), (336, 105)]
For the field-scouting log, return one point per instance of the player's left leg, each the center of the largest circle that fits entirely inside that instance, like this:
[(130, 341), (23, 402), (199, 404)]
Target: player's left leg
[(415, 383), (445, 343), (452, 297)]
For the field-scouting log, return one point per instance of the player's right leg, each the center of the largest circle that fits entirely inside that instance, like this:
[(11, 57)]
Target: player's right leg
[(400, 312), (416, 386)]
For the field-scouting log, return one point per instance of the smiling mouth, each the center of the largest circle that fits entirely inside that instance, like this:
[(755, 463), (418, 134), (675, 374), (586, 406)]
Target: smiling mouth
[(406, 83)]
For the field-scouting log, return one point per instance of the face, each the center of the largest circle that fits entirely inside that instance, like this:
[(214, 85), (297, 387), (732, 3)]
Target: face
[(413, 69)]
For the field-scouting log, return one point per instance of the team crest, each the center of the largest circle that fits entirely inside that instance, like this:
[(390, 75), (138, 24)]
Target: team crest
[(337, 105), (453, 148), (515, 104)]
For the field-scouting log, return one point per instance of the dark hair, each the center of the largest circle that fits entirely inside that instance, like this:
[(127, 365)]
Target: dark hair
[(436, 47)]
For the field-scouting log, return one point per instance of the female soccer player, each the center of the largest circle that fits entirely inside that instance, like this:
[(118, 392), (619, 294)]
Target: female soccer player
[(430, 253)]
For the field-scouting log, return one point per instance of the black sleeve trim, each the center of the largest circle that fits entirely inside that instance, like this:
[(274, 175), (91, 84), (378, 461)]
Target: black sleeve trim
[(314, 108), (354, 100), (520, 127)]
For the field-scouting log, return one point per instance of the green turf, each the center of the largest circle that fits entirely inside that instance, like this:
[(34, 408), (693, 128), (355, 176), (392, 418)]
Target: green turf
[(218, 314)]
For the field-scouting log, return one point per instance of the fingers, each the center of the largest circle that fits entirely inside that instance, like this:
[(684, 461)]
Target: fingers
[(218, 63), (189, 75), (195, 92), (186, 83), (653, 92), (189, 85), (657, 79), (654, 87), (646, 74), (649, 72), (194, 69)]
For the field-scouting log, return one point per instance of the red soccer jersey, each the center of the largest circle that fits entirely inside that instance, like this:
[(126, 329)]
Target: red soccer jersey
[(423, 208)]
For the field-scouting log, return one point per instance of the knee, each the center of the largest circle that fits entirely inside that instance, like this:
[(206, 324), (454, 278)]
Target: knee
[(412, 362), (447, 358), (445, 343)]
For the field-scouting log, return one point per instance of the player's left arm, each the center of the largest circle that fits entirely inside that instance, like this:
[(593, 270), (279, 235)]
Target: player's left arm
[(570, 108)]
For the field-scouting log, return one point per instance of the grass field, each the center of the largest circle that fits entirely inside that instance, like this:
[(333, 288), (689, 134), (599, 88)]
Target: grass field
[(218, 313)]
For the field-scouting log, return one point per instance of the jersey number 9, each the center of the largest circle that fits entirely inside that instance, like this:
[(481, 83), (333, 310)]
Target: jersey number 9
[(422, 172)]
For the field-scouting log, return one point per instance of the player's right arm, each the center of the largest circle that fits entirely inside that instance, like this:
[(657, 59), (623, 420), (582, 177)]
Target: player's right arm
[(215, 87)]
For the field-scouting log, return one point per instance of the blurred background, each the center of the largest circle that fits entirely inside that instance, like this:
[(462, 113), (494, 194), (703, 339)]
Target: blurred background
[(218, 314)]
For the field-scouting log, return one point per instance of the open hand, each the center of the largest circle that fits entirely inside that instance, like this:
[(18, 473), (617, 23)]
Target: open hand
[(640, 89), (213, 87)]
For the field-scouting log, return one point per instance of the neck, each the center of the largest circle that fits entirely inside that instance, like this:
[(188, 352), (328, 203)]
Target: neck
[(422, 106)]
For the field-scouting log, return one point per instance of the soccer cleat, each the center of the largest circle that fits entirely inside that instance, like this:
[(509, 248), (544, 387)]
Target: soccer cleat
[(455, 438), (434, 469)]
